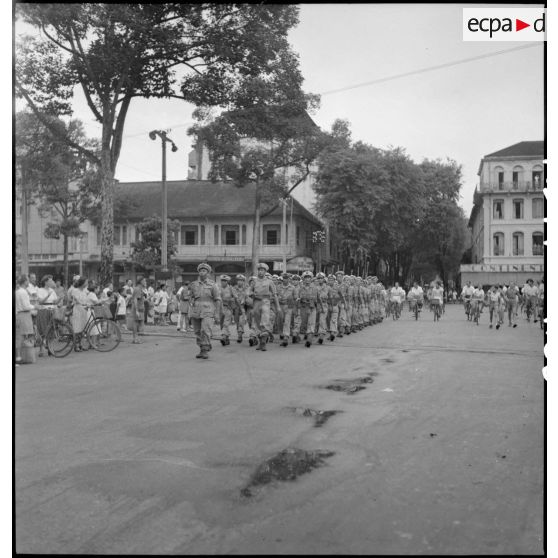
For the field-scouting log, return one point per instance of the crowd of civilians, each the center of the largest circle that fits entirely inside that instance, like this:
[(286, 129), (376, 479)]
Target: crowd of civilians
[(128, 305)]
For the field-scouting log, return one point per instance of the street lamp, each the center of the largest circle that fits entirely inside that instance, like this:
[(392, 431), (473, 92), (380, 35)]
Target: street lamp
[(164, 139)]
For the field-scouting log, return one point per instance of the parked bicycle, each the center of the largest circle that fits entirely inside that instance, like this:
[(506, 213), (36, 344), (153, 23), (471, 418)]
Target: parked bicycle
[(100, 334)]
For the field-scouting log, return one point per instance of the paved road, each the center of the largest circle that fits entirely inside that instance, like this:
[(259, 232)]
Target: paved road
[(146, 450)]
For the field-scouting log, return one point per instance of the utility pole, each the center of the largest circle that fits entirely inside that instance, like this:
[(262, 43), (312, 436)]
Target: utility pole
[(164, 139), (24, 232), (285, 237), (256, 175)]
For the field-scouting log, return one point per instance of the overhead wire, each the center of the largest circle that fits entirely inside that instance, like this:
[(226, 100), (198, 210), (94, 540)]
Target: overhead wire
[(429, 69)]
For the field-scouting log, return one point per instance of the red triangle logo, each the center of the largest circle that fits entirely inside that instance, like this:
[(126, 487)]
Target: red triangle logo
[(519, 25)]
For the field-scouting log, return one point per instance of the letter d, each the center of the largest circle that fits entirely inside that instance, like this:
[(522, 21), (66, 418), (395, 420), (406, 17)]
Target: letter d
[(536, 24)]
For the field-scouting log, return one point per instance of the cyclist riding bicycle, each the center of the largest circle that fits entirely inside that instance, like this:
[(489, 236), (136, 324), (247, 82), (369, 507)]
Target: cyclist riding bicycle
[(477, 302), (467, 295), (436, 299), (397, 295), (416, 295), (530, 293)]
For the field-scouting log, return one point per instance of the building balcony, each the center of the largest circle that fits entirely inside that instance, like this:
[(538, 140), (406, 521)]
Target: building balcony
[(511, 187)]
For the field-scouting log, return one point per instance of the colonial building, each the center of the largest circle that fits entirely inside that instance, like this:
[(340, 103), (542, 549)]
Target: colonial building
[(507, 219), (216, 225)]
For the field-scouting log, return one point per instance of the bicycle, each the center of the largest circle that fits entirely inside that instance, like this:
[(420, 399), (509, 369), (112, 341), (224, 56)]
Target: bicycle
[(415, 307), (100, 334), (476, 313), (468, 309), (437, 309)]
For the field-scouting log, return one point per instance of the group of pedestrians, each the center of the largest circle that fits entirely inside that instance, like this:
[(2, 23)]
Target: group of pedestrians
[(505, 301)]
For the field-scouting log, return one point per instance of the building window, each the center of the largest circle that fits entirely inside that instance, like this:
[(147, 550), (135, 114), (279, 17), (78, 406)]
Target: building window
[(286, 233), (518, 209), (537, 244), (297, 235), (499, 244), (538, 208), (498, 209), (202, 234), (272, 234), (120, 235), (517, 244), (216, 235), (98, 229), (244, 235), (517, 176), (537, 179), (230, 235), (500, 180), (189, 235)]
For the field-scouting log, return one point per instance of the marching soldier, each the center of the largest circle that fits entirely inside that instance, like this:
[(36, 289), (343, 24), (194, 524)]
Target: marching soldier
[(229, 303), (296, 311), (205, 305), (342, 287), (262, 292), (287, 301), (307, 300), (322, 305), (240, 309), (249, 307), (335, 299)]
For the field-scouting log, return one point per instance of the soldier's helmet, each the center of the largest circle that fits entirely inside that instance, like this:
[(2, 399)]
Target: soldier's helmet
[(268, 276), (295, 277), (331, 276), (205, 266), (307, 274), (285, 275), (262, 265), (275, 277), (225, 278), (240, 277), (320, 275)]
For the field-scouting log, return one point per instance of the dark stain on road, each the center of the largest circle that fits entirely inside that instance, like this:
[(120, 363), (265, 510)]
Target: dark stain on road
[(287, 465), (320, 417), (388, 360), (350, 386)]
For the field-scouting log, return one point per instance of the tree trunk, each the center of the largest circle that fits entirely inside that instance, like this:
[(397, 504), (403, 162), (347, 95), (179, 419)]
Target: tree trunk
[(66, 263), (107, 220), (256, 232), (24, 231)]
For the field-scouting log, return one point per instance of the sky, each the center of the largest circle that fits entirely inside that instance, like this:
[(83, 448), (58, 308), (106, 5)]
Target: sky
[(461, 112)]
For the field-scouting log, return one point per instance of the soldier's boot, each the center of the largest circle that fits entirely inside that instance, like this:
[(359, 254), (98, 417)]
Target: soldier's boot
[(271, 338), (331, 337), (199, 355), (252, 341), (340, 335), (239, 339), (204, 350), (296, 339), (309, 339), (227, 341), (321, 339), (263, 341), (223, 341), (285, 341), (208, 347)]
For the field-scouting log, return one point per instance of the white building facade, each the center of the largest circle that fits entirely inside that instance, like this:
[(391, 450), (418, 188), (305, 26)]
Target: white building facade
[(507, 219)]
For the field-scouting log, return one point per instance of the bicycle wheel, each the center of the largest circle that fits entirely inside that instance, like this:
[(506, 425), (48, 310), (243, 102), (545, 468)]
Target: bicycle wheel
[(104, 335), (60, 339)]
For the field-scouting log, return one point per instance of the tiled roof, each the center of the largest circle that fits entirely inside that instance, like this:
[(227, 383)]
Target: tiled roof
[(521, 149), (195, 198)]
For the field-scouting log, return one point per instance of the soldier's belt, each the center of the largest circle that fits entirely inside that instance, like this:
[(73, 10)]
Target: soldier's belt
[(262, 297)]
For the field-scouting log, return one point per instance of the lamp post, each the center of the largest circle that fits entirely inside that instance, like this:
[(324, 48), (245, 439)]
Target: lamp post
[(164, 139), (255, 175)]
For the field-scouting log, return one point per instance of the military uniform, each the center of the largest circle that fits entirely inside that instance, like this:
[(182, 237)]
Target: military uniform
[(262, 291), (307, 300), (239, 312), (205, 301), (322, 307), (229, 304), (334, 302), (286, 293)]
